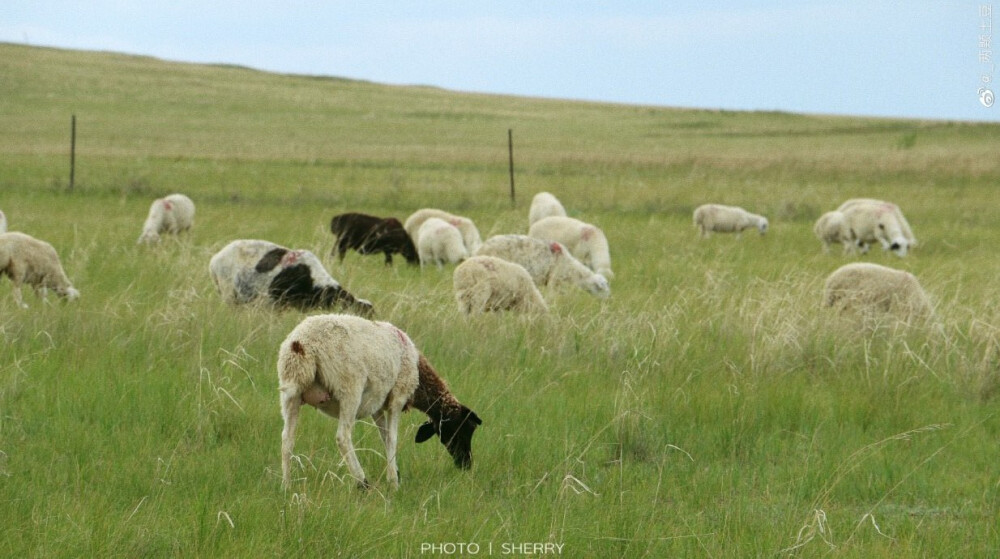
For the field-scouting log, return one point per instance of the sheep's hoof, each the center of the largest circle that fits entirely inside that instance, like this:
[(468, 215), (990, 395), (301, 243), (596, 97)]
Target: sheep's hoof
[(364, 485)]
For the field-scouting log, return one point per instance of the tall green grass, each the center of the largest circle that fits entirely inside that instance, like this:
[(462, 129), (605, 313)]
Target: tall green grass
[(710, 407)]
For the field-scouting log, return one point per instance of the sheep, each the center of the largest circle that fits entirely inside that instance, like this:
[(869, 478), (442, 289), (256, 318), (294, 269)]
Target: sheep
[(369, 234), (547, 262), (171, 214), (868, 222), (487, 283), (25, 259), (249, 270), (351, 368), (586, 242), (544, 204), (829, 229), (3, 222), (727, 219), (869, 289), (440, 242), (903, 224), (470, 235)]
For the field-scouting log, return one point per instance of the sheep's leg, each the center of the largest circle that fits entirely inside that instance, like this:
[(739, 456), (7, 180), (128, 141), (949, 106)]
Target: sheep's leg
[(345, 428), (388, 258), (388, 427), (19, 297), (291, 401), (43, 293), (341, 249)]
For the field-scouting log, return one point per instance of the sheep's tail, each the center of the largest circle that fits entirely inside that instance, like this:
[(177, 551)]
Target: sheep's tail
[(296, 367)]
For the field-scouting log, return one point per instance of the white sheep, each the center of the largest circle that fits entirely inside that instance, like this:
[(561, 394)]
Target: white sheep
[(171, 214), (870, 222), (904, 225), (3, 222), (830, 229), (870, 289), (351, 368), (543, 205), (25, 259), (470, 234), (585, 241), (248, 270), (487, 283), (548, 263), (439, 242), (719, 218)]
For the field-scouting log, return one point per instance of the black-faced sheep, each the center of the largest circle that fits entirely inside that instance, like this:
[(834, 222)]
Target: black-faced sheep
[(171, 214), (470, 234), (548, 263), (351, 368), (871, 289), (249, 270), (486, 283), (25, 259), (439, 242), (544, 205), (369, 234), (585, 241), (718, 218)]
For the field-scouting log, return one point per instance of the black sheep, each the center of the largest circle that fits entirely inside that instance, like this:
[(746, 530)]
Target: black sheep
[(369, 234)]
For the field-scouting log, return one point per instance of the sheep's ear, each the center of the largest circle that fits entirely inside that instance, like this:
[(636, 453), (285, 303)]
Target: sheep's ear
[(425, 432)]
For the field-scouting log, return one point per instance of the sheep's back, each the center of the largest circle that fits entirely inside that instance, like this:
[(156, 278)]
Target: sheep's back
[(356, 357)]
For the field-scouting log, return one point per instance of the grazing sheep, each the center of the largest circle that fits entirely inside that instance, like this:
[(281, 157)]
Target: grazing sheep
[(900, 218), (3, 222), (869, 289), (870, 222), (171, 214), (369, 234), (830, 229), (547, 262), (351, 368), (25, 259), (544, 205), (247, 270), (585, 241), (487, 283), (470, 235), (440, 242), (727, 219)]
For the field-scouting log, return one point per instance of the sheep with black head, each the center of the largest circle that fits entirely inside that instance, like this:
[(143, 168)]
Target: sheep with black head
[(352, 368)]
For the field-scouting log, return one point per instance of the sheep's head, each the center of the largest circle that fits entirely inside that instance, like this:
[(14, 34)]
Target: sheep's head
[(148, 236), (69, 293), (455, 430), (598, 286), (762, 225), (892, 236), (363, 307)]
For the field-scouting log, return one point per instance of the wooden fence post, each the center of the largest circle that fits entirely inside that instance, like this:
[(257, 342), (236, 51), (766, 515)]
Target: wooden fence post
[(510, 151), (72, 152)]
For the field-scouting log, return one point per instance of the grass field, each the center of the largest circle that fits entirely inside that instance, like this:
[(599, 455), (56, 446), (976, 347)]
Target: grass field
[(710, 407)]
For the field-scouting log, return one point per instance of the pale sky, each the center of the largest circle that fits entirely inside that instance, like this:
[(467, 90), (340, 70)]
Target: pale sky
[(915, 59)]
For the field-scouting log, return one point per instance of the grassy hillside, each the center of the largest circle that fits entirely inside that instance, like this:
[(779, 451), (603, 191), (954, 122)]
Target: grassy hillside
[(710, 407)]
